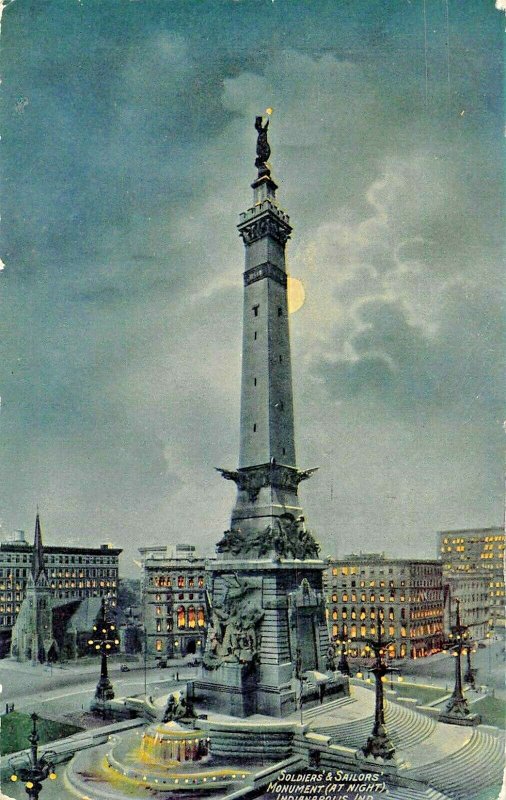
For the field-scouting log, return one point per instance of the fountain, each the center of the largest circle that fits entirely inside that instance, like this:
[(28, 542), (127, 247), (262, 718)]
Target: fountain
[(171, 755)]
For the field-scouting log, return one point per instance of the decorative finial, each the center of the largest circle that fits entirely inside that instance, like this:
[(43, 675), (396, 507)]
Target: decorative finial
[(263, 148)]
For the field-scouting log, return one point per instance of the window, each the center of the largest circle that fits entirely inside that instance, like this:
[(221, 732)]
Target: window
[(254, 381), (255, 428), (334, 598), (158, 645), (255, 335), (192, 617), (180, 617), (280, 311), (255, 310), (180, 581), (191, 582), (200, 581), (345, 597), (201, 621)]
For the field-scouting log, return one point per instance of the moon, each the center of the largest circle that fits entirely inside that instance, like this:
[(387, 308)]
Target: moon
[(296, 294)]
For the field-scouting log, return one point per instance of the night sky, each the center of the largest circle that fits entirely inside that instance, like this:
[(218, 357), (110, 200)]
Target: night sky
[(127, 155)]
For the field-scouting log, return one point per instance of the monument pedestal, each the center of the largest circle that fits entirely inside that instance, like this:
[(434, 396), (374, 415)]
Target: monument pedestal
[(267, 628)]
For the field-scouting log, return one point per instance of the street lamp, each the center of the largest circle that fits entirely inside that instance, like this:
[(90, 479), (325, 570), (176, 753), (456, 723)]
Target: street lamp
[(458, 642), (300, 677), (34, 770), (378, 744), (343, 666), (104, 641)]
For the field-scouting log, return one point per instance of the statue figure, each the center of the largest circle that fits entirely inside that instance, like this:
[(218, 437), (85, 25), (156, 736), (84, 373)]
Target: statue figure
[(263, 149), (181, 709)]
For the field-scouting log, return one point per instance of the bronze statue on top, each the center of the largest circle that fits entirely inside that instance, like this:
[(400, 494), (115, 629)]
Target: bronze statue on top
[(263, 148)]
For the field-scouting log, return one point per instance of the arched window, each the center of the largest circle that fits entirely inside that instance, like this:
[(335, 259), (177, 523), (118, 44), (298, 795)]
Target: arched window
[(363, 597), (191, 582), (373, 630), (391, 614), (180, 617), (192, 617), (334, 598), (353, 597), (345, 597), (345, 613), (362, 613), (334, 615), (201, 620), (362, 630), (335, 630), (373, 613), (391, 651), (200, 581), (403, 630), (180, 582), (345, 630), (353, 631), (353, 614), (373, 597)]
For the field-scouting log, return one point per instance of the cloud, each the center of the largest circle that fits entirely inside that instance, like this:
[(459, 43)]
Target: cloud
[(123, 283)]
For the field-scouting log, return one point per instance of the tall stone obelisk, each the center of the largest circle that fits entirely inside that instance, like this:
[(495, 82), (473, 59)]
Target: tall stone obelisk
[(268, 621)]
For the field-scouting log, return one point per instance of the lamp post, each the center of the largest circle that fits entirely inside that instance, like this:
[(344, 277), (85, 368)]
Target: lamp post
[(300, 678), (34, 770), (458, 641), (343, 666), (378, 744), (103, 641), (470, 672)]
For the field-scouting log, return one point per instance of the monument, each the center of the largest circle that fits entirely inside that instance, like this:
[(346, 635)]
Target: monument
[(267, 627)]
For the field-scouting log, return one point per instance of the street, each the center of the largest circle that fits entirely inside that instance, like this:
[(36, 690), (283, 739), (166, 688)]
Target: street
[(58, 692)]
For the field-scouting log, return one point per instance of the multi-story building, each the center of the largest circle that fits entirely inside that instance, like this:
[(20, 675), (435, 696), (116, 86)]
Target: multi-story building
[(407, 594), (477, 550), (173, 600), (73, 573), (472, 590)]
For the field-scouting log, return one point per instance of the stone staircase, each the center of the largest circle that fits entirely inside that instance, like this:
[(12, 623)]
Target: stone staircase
[(478, 764), (405, 727), (312, 714)]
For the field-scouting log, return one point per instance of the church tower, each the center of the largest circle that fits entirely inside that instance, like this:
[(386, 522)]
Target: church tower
[(268, 626), (32, 635)]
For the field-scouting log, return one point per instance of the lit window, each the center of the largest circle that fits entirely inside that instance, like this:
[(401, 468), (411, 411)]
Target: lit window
[(192, 617), (180, 617)]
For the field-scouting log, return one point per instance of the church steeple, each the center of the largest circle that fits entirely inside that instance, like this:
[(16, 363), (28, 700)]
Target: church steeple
[(38, 566), (267, 478)]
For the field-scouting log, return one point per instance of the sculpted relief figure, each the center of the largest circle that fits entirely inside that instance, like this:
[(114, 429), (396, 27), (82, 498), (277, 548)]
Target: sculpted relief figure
[(233, 634)]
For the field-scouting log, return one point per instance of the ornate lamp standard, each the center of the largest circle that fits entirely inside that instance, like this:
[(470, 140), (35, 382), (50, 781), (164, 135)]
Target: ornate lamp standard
[(103, 640), (34, 770), (378, 744), (457, 708), (343, 666)]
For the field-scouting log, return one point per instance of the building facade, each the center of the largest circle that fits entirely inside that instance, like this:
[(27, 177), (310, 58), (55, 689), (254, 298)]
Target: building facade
[(72, 573), (472, 590), (407, 594), (477, 551), (173, 601)]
